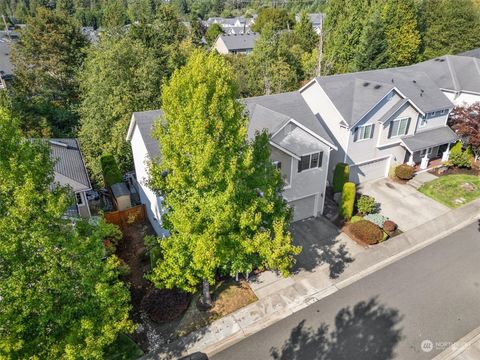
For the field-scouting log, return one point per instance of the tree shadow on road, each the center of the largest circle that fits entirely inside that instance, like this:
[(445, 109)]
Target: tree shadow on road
[(368, 331)]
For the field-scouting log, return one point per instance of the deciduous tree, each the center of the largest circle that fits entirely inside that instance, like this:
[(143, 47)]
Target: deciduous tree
[(465, 120), (225, 214), (59, 299)]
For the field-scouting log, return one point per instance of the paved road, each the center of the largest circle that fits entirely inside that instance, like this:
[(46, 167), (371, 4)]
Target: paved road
[(433, 294)]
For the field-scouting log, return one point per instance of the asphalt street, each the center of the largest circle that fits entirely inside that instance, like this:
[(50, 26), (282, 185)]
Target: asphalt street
[(411, 309)]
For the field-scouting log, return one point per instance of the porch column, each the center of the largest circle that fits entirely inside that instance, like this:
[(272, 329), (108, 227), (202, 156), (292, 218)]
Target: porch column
[(424, 163), (446, 154), (410, 160)]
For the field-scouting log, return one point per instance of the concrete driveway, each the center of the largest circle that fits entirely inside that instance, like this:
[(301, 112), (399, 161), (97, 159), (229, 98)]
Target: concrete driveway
[(402, 203)]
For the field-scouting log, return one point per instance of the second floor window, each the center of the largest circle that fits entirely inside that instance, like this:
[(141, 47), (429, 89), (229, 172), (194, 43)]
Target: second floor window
[(364, 132), (399, 127), (310, 161), (277, 165)]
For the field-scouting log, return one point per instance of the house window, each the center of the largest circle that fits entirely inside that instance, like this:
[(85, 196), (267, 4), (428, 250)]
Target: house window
[(277, 165), (310, 161), (430, 114), (399, 127), (364, 132), (423, 121), (79, 199), (426, 152)]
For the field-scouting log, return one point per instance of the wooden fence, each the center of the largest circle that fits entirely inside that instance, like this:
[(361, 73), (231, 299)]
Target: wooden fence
[(133, 215)]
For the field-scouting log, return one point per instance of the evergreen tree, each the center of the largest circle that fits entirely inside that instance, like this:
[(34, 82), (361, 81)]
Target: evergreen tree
[(305, 36), (120, 76), (46, 60), (59, 298), (278, 19), (450, 27), (401, 32), (225, 214), (372, 49), (344, 23)]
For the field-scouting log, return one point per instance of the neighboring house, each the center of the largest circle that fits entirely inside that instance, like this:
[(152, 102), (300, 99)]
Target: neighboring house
[(472, 53), (316, 19), (380, 118), (457, 76), (235, 44), (239, 21), (144, 150), (6, 68), (300, 150), (69, 170), (237, 30)]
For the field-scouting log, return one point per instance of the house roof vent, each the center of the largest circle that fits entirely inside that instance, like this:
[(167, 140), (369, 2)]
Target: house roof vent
[(366, 84), (377, 87), (58, 143)]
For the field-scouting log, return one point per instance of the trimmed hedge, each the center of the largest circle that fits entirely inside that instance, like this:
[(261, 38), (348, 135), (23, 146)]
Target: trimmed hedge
[(404, 171), (110, 170), (348, 200), (341, 175), (457, 148), (367, 232), (461, 159)]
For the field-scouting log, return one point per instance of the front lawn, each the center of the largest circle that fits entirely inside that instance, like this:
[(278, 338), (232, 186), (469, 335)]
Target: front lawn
[(453, 190)]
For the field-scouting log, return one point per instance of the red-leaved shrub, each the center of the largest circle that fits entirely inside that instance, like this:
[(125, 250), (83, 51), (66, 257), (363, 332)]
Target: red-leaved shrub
[(389, 226)]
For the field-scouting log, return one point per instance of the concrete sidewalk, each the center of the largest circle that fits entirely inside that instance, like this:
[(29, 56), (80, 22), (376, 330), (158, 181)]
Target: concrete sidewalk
[(467, 348), (299, 291)]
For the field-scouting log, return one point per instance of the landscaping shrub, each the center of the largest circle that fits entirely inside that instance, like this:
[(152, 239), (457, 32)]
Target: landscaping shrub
[(377, 219), (457, 148), (461, 159), (164, 305), (389, 226), (366, 204), (404, 171), (123, 268), (367, 232), (111, 172), (341, 175), (348, 200), (155, 255), (355, 219)]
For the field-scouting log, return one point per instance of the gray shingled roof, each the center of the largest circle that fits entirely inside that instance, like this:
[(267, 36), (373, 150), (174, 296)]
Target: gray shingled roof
[(270, 112), (239, 42), (472, 53), (6, 68), (430, 138), (145, 121), (69, 168), (452, 72), (354, 94)]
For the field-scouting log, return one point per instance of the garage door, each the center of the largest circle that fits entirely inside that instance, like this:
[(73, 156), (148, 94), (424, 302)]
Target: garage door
[(369, 171), (303, 208)]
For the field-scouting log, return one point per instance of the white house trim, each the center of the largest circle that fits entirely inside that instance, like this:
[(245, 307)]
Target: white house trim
[(371, 160)]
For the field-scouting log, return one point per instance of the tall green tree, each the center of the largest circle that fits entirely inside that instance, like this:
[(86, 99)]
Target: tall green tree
[(225, 214), (120, 76), (450, 27), (344, 23), (212, 33), (59, 299), (277, 18), (401, 32), (372, 48), (304, 33), (46, 60)]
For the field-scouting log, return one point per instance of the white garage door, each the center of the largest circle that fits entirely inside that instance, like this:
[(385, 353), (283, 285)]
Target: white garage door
[(303, 208), (369, 171)]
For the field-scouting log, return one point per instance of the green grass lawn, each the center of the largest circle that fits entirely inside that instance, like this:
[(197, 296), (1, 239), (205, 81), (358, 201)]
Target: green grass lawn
[(453, 190)]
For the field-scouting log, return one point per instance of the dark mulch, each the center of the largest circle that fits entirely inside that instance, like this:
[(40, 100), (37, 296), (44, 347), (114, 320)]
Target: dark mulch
[(165, 305), (455, 170), (346, 230)]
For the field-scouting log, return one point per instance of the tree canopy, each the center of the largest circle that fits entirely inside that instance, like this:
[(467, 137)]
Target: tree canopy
[(59, 299), (46, 60), (225, 213)]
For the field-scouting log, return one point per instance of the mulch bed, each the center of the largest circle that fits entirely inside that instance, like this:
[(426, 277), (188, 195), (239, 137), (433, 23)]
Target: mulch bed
[(455, 170), (346, 230), (165, 305)]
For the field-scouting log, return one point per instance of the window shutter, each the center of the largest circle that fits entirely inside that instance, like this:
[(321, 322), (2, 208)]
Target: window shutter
[(300, 165), (320, 160), (408, 125), (390, 130), (355, 134), (371, 131)]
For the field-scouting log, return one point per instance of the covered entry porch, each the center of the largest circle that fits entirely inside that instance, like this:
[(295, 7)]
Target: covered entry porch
[(425, 147)]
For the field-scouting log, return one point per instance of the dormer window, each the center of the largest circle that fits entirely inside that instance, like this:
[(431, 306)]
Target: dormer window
[(310, 161), (363, 132), (399, 127)]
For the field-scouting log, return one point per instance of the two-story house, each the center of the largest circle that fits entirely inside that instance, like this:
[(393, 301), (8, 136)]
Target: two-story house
[(381, 118), (300, 150), (458, 77)]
